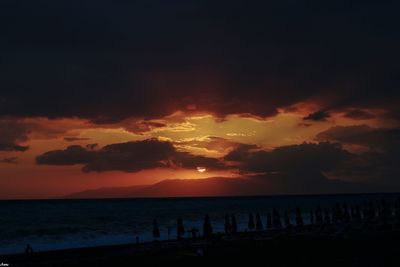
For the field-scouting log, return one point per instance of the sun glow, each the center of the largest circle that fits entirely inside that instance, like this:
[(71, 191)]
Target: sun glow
[(201, 169)]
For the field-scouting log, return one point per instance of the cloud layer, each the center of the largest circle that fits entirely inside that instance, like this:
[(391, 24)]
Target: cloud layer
[(128, 157), (106, 61), (379, 164), (300, 159), (375, 138), (149, 154), (90, 75), (12, 133)]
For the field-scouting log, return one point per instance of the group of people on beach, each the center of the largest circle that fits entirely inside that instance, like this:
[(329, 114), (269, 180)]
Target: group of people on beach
[(369, 212), (383, 213)]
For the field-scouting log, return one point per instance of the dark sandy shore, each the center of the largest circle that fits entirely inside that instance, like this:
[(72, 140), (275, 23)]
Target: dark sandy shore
[(343, 245)]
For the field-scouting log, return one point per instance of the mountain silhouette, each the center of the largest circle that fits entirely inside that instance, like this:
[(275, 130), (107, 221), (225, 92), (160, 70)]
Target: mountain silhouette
[(222, 186)]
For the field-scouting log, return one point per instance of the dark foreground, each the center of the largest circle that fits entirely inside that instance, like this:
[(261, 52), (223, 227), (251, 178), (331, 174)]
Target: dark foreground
[(376, 245)]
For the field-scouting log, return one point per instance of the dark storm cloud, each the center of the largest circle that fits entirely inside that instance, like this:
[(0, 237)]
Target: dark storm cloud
[(106, 61), (131, 156), (187, 160), (92, 146), (303, 158), (380, 138), (318, 116), (74, 139), (359, 114), (143, 126), (240, 153), (214, 143), (380, 164), (12, 133), (72, 155), (128, 157), (296, 168), (15, 132)]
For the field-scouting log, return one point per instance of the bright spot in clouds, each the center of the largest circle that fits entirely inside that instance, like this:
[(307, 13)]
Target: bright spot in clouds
[(201, 169)]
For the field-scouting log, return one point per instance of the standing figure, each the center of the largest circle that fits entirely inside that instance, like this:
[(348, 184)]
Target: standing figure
[(156, 230), (327, 217), (365, 210), (346, 213), (28, 249), (397, 209), (259, 224), (339, 213), (318, 216), (288, 224), (234, 228), (228, 229), (371, 211), (269, 220), (334, 216), (207, 228), (299, 218), (357, 213), (311, 217), (193, 232), (180, 229), (353, 212), (276, 219), (385, 211), (250, 224)]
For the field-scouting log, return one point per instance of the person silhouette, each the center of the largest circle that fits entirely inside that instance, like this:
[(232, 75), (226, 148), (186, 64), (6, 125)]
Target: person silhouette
[(168, 232), (334, 216), (385, 212), (28, 249), (234, 227), (327, 217), (276, 219), (269, 220), (180, 229), (259, 224), (288, 224), (397, 209), (299, 218), (250, 224), (228, 229), (346, 213), (207, 228), (365, 210), (357, 213), (318, 216), (156, 230), (339, 214), (193, 232), (311, 217), (371, 211), (353, 212)]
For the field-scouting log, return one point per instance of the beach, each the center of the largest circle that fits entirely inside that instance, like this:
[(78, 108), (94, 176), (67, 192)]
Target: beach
[(336, 230), (345, 245), (49, 225)]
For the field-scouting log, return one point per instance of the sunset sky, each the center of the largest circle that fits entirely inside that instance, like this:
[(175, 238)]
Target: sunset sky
[(106, 94)]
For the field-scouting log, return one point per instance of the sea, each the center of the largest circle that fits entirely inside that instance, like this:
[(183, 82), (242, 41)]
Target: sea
[(62, 224)]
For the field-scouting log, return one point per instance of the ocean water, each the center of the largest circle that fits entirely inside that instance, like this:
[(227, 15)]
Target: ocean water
[(60, 224)]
